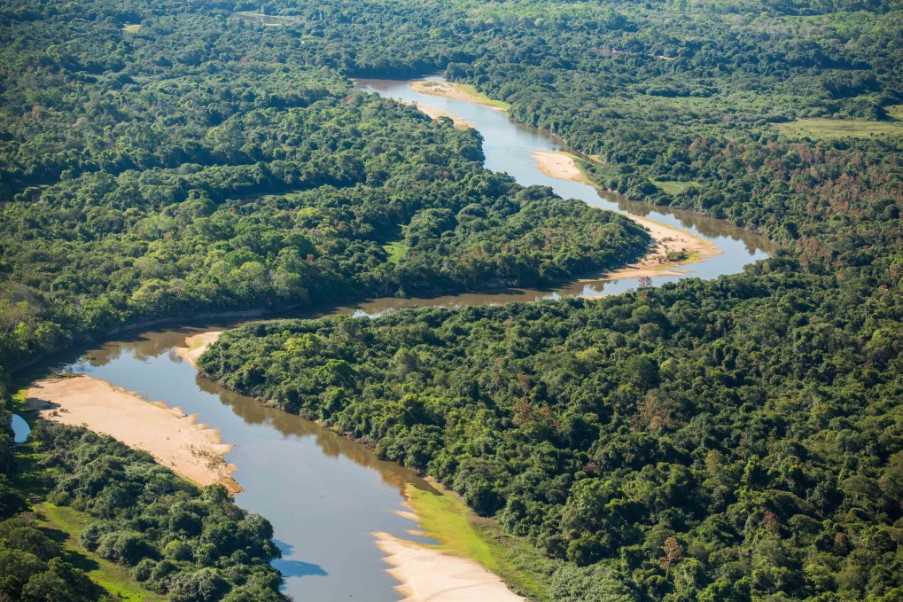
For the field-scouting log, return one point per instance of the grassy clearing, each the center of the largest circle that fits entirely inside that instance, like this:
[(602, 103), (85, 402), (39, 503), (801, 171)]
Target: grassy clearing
[(447, 519), (895, 111), (595, 169), (831, 129), (112, 577), (492, 12), (673, 186), (396, 250), (132, 28)]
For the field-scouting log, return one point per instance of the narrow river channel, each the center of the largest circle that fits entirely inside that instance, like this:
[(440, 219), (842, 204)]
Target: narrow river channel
[(324, 494)]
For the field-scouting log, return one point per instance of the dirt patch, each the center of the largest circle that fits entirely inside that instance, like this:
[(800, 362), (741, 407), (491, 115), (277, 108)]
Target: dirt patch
[(174, 439), (673, 246), (426, 574)]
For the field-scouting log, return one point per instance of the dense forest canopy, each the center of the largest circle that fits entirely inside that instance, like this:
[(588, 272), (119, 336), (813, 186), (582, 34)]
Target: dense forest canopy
[(753, 422), (737, 439), (143, 182)]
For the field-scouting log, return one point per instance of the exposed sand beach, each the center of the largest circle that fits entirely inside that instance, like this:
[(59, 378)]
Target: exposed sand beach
[(436, 113), (455, 91), (427, 574), (196, 345), (559, 164), (668, 240), (174, 439)]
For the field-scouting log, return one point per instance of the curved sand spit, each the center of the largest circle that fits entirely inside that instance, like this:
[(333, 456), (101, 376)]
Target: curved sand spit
[(561, 165), (450, 90), (428, 575), (174, 439), (196, 345)]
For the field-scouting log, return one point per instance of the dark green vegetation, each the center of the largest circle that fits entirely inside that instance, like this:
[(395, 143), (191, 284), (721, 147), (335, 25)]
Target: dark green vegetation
[(738, 439), (34, 567), (197, 165), (731, 440), (607, 431), (188, 543)]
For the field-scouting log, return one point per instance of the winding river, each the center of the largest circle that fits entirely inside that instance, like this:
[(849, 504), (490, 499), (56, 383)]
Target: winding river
[(324, 494)]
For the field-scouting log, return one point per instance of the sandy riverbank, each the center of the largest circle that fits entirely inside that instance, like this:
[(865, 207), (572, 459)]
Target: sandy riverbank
[(560, 165), (668, 240), (455, 91), (174, 439), (427, 574), (436, 113), (196, 345)]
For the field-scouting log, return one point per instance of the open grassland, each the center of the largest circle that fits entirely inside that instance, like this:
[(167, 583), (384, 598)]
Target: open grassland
[(396, 250), (267, 20), (831, 129), (448, 520)]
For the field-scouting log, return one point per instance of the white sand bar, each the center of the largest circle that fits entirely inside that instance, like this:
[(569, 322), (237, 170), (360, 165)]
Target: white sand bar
[(429, 575), (196, 345), (174, 439), (668, 239)]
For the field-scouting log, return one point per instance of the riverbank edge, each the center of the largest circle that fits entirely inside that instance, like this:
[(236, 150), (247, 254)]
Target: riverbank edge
[(426, 574), (567, 165), (190, 449), (435, 113), (196, 345), (457, 91), (443, 516)]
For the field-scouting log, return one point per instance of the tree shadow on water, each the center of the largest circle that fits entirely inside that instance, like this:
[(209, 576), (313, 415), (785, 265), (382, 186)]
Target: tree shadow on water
[(295, 568)]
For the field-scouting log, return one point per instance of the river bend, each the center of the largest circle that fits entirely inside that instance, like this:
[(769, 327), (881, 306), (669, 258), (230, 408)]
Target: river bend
[(324, 494)]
